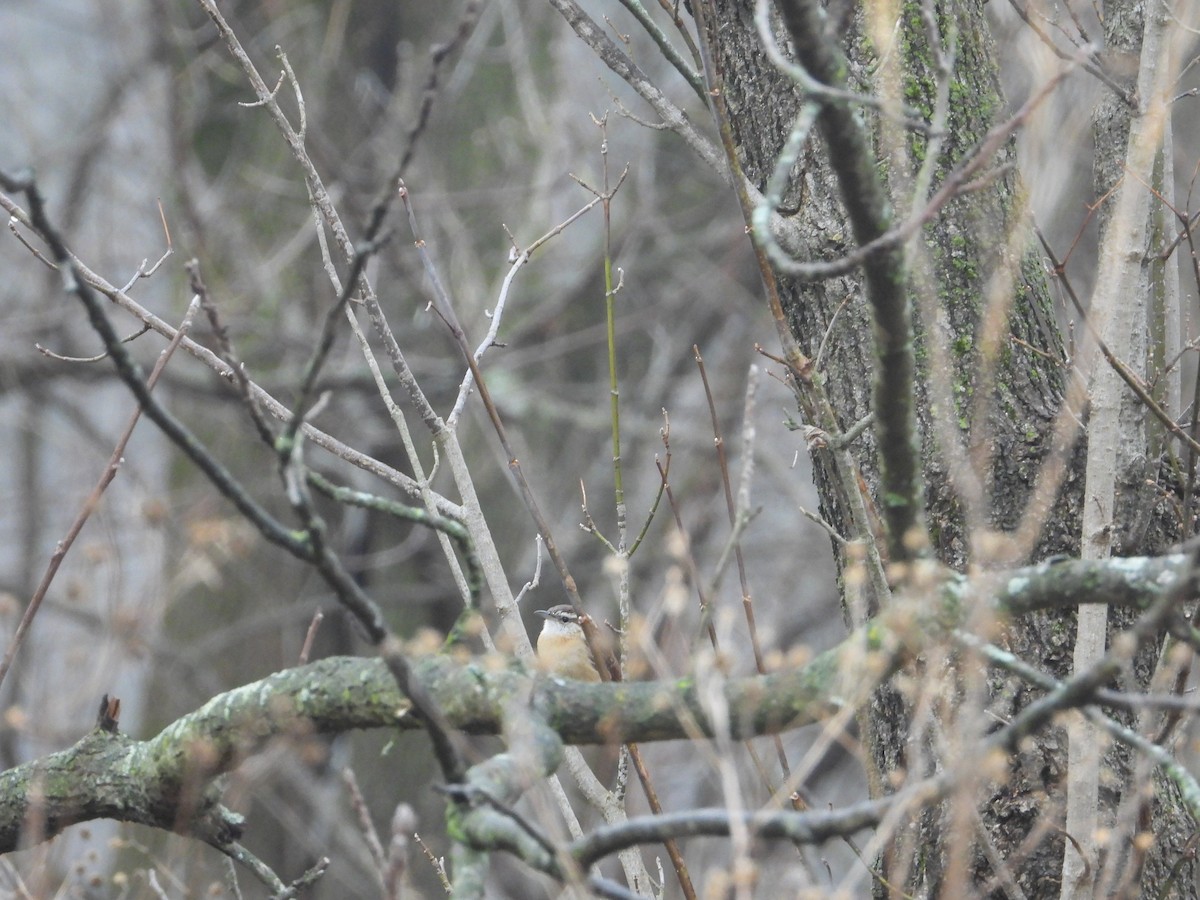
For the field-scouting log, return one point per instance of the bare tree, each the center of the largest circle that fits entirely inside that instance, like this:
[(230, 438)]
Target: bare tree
[(1001, 709)]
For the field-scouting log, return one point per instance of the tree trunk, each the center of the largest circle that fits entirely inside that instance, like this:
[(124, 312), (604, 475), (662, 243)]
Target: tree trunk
[(1015, 363)]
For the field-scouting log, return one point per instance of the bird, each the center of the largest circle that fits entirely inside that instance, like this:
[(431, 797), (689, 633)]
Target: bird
[(562, 649)]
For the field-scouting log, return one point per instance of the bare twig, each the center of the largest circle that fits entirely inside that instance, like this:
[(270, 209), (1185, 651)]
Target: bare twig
[(93, 500)]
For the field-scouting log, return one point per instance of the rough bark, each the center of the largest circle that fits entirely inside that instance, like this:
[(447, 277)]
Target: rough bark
[(966, 247)]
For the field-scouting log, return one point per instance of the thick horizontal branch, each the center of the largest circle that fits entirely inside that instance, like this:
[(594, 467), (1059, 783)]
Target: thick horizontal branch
[(1134, 582), (165, 781), (162, 781)]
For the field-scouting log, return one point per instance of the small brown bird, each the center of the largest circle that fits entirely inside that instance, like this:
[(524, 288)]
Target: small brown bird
[(561, 647)]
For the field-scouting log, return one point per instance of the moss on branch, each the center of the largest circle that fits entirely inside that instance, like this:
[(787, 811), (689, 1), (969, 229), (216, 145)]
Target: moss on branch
[(167, 780)]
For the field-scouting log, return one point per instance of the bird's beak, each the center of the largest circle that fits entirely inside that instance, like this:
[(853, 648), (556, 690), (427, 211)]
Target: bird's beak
[(544, 613)]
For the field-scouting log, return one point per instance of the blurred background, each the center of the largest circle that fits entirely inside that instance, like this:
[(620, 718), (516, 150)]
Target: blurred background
[(169, 598)]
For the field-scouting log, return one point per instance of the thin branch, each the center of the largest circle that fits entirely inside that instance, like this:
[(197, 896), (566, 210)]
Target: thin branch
[(1118, 365), (617, 60), (438, 54), (690, 75), (799, 828), (93, 499), (1091, 64), (270, 404)]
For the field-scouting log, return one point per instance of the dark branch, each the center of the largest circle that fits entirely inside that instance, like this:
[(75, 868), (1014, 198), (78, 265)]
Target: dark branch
[(865, 199)]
